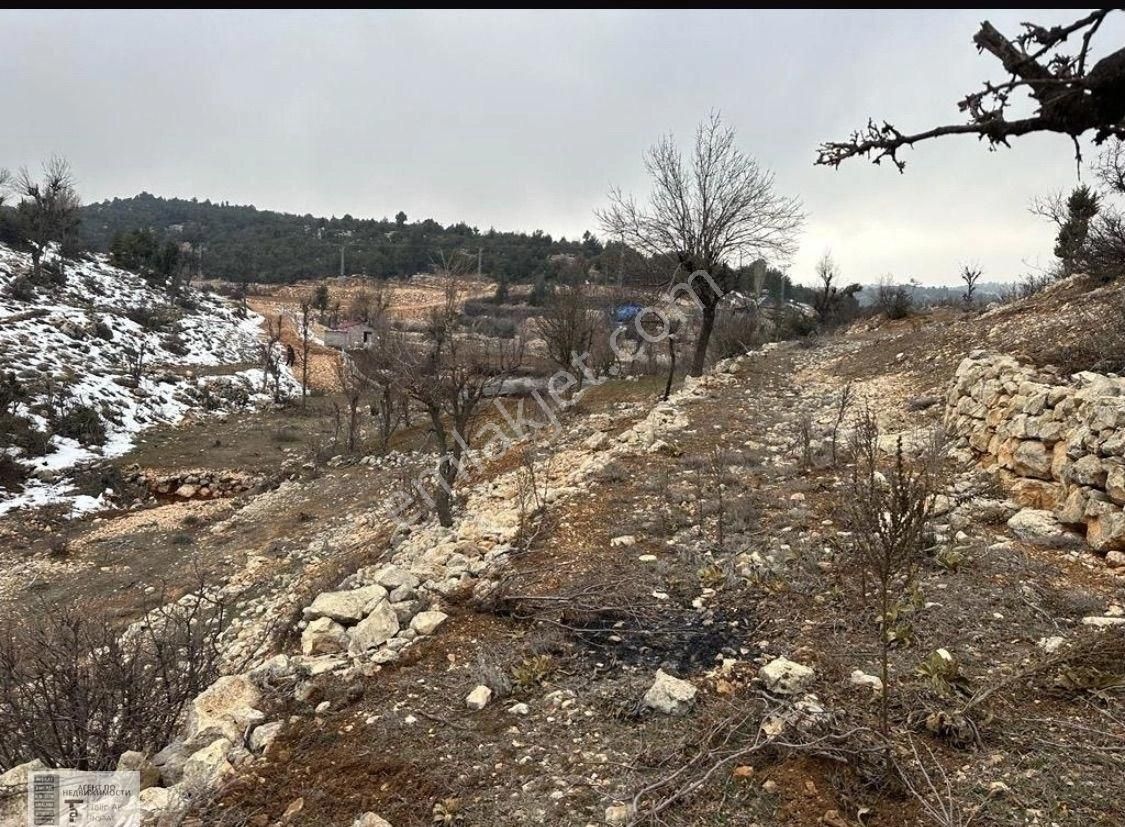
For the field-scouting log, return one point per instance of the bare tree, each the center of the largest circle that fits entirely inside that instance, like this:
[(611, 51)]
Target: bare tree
[(389, 407), (272, 355), (831, 297), (703, 213), (1070, 98), (353, 385), (1110, 166), (76, 692), (448, 374), (886, 508), (5, 183), (306, 335), (1102, 254), (827, 275), (843, 402), (46, 208), (134, 358), (970, 275), (567, 327), (369, 306)]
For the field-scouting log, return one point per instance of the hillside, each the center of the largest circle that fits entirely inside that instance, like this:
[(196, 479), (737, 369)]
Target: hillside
[(243, 243), (93, 362), (681, 635)]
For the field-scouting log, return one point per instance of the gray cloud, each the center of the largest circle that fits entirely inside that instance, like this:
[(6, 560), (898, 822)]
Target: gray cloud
[(523, 120)]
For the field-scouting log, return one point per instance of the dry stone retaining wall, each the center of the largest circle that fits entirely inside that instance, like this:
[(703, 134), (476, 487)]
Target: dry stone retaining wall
[(1057, 442)]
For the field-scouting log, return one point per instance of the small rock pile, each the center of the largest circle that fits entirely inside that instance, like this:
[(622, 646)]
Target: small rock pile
[(197, 485)]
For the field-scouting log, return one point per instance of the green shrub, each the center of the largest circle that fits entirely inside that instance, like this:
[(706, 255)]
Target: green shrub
[(21, 289), (81, 422)]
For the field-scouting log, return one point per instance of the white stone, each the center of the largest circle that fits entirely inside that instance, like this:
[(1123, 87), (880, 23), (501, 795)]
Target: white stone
[(478, 698), (374, 630), (1052, 644), (618, 814), (370, 820), (785, 677), (138, 762), (323, 636), (347, 607), (161, 806), (670, 695), (223, 710), (1103, 622), (1042, 528), (13, 809), (208, 766), (519, 709), (395, 577), (595, 440), (264, 735), (861, 678), (424, 623)]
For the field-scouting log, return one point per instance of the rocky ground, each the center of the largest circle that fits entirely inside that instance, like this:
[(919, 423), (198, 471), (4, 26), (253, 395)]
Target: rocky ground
[(679, 636)]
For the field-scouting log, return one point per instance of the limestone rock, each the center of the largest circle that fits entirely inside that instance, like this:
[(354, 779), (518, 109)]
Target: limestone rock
[(861, 678), (670, 695), (424, 623), (1105, 530), (13, 809), (1088, 470), (323, 636), (595, 440), (618, 814), (1115, 483), (375, 629), (347, 607), (785, 677), (1031, 493), (170, 762), (264, 735), (161, 807), (370, 820), (478, 698), (223, 710), (208, 766), (393, 577), (138, 762), (1032, 459), (1042, 528)]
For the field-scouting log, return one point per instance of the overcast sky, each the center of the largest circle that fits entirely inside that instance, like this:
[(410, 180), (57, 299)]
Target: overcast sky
[(524, 120)]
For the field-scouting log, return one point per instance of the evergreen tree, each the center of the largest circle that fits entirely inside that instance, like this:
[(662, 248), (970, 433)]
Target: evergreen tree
[(1081, 207)]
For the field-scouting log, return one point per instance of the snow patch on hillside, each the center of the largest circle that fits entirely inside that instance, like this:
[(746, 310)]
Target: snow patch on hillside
[(82, 340)]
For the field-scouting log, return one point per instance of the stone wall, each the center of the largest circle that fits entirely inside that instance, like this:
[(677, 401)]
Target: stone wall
[(196, 485), (1057, 442)]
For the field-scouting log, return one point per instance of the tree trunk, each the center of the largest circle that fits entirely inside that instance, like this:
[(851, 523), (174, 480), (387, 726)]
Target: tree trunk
[(671, 367), (443, 493), (699, 359)]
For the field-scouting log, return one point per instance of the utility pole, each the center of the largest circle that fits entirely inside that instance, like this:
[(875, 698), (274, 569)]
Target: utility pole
[(342, 247), (479, 251), (621, 264)]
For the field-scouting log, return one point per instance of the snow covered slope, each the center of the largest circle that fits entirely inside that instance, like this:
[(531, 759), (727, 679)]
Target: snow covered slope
[(78, 344)]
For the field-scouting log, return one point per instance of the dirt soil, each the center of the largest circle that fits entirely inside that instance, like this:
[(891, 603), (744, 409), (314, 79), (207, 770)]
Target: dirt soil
[(584, 623), (646, 571)]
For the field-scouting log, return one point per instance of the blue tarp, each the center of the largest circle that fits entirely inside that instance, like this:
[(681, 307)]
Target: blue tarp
[(625, 313)]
